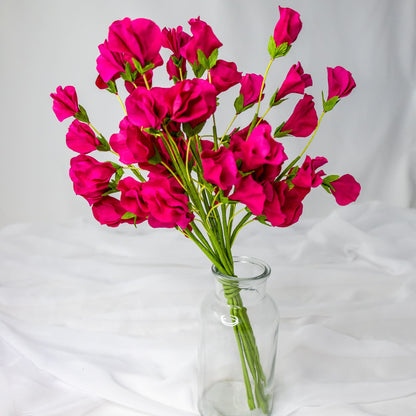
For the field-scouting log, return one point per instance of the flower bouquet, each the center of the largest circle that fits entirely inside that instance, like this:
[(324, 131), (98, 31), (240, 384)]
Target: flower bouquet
[(164, 169)]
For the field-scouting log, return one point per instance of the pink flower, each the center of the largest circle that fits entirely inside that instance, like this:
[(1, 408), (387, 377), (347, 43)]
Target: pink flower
[(147, 108), (167, 203), (203, 38), (283, 206), (140, 39), (110, 64), (224, 75), (175, 40), (108, 211), (308, 176), (81, 138), (303, 120), (132, 144), (65, 102), (340, 82), (288, 27), (250, 193), (90, 177), (132, 198), (260, 149), (250, 88), (345, 189), (219, 167), (192, 101), (295, 83)]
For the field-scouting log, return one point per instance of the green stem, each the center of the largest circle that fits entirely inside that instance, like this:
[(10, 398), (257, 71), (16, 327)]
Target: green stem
[(313, 135)]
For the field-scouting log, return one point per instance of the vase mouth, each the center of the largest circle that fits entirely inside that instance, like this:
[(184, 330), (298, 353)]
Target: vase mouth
[(258, 270)]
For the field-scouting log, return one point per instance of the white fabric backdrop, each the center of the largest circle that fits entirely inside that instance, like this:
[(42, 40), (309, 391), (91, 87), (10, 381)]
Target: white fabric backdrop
[(97, 321), (371, 134)]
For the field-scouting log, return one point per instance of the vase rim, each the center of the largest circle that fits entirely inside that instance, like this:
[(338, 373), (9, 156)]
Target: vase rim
[(265, 272)]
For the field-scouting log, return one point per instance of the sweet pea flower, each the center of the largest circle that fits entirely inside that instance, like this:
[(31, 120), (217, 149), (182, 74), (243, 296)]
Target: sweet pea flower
[(219, 167), (108, 211), (203, 38), (345, 189), (132, 144), (110, 64), (147, 108), (283, 206), (81, 138), (90, 177), (260, 149), (250, 88), (303, 120), (132, 198), (295, 82), (139, 39), (288, 27), (250, 193), (340, 82), (65, 102), (175, 39), (167, 203), (224, 75), (308, 176), (192, 101)]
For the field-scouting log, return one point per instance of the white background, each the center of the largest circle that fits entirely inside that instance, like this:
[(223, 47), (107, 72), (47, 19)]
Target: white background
[(370, 134)]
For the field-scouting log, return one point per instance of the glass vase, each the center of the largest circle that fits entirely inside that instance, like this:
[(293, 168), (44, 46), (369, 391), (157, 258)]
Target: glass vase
[(238, 343)]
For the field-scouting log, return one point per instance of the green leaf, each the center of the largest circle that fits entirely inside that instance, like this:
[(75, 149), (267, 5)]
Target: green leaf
[(112, 87), (262, 219), (153, 131), (330, 178), (330, 104), (238, 104), (198, 69), (115, 165), (278, 132), (82, 114), (272, 48), (202, 59), (192, 131), (212, 60), (104, 146), (119, 174), (129, 216)]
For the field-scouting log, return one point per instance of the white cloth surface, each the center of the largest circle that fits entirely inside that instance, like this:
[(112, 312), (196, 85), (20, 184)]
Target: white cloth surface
[(97, 321)]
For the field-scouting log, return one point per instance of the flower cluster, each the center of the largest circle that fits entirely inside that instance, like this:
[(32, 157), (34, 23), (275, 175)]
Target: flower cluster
[(170, 175)]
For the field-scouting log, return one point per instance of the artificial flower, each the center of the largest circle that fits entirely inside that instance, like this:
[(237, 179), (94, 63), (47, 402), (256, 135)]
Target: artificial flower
[(295, 82), (65, 102), (108, 211), (250, 88), (303, 120), (224, 75), (81, 138), (288, 27), (345, 189)]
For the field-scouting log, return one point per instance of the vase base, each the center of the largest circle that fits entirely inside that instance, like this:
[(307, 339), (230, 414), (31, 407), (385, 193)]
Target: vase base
[(226, 398)]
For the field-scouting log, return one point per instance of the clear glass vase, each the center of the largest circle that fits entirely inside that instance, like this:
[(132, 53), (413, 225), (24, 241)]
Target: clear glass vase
[(238, 343)]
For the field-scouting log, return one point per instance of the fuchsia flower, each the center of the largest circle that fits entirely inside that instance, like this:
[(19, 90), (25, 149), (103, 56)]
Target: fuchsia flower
[(139, 39), (288, 27), (260, 149), (147, 108), (224, 75), (65, 102), (175, 40), (295, 82), (110, 64), (203, 38), (250, 88), (90, 177), (192, 101), (219, 167), (308, 176), (132, 198), (340, 82), (250, 193), (167, 203), (303, 120), (283, 206), (108, 211), (132, 144), (81, 138), (345, 189)]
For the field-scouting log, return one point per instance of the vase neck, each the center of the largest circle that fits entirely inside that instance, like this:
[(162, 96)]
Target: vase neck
[(249, 281)]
